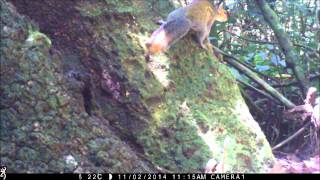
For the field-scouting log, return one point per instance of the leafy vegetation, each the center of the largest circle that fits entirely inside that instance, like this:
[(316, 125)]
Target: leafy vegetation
[(280, 42)]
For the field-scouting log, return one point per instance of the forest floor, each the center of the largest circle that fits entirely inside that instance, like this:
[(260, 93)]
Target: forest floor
[(291, 163)]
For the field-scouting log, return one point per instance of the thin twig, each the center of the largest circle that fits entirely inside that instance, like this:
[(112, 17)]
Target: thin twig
[(249, 66), (312, 77), (292, 136), (256, 89), (269, 42)]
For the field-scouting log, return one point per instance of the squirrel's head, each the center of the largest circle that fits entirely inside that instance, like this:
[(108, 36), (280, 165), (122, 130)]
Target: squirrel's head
[(222, 15)]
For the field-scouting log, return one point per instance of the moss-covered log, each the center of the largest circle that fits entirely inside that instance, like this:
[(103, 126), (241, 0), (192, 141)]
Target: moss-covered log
[(82, 97)]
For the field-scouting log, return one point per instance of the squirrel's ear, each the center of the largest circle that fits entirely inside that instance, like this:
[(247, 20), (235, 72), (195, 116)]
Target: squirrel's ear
[(220, 4)]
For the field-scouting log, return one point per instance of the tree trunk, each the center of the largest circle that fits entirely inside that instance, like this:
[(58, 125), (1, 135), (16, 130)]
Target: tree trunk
[(78, 95), (286, 46)]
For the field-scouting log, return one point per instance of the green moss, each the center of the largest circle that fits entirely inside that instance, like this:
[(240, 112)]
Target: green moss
[(26, 154), (212, 97), (177, 110), (90, 9), (37, 38), (9, 164)]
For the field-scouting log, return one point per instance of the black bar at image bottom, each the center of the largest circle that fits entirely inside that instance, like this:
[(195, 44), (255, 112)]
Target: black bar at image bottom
[(154, 176)]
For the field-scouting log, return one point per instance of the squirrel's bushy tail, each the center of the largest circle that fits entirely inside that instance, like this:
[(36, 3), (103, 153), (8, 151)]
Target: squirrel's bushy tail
[(167, 34)]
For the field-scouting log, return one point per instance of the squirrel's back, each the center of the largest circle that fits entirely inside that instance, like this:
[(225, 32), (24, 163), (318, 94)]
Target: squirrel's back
[(198, 16), (200, 12)]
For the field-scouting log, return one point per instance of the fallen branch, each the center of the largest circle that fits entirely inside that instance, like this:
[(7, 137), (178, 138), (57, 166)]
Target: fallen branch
[(255, 78), (251, 103), (292, 136), (309, 109), (255, 89)]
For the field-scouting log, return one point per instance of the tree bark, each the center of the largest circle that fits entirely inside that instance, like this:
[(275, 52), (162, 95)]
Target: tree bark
[(292, 59), (91, 102)]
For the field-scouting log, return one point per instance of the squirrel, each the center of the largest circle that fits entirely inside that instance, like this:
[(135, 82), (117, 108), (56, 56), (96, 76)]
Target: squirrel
[(198, 16)]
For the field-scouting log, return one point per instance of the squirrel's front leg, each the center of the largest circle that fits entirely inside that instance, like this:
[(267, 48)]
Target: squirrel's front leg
[(202, 36)]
